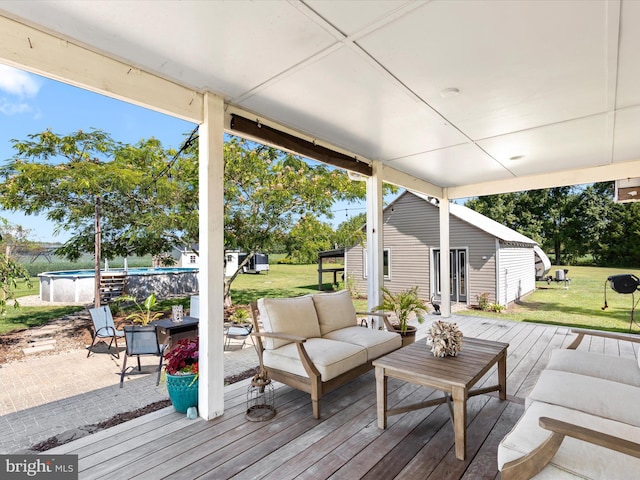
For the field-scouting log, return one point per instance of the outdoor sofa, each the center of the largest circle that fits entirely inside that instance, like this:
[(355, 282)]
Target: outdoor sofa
[(313, 343), (581, 419)]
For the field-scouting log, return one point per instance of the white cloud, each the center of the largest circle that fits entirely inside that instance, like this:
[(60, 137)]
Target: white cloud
[(17, 82), (11, 108)]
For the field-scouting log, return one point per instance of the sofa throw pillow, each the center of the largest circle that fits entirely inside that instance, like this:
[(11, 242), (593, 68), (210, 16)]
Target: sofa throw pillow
[(291, 316), (335, 310)]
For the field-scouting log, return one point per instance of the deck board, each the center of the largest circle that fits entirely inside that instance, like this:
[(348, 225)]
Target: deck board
[(345, 442)]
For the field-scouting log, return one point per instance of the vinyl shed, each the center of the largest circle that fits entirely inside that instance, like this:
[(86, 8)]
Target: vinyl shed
[(485, 256)]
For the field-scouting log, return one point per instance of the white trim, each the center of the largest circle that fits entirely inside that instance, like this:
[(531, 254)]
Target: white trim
[(548, 180), (497, 254), (53, 57), (386, 250), (445, 268), (211, 304)]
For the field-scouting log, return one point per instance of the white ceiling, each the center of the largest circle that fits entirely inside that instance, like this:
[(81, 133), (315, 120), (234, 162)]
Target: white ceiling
[(557, 82)]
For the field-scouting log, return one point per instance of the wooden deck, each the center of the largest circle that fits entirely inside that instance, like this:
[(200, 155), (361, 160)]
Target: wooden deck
[(346, 442)]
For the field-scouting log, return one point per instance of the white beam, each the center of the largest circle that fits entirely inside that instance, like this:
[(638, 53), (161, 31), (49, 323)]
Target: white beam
[(211, 362), (445, 264), (33, 50), (579, 176), (375, 239), (401, 179)]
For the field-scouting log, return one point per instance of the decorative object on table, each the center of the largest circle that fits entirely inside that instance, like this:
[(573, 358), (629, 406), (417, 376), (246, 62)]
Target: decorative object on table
[(445, 339), (176, 313), (260, 398), (145, 313), (182, 374), (403, 304)]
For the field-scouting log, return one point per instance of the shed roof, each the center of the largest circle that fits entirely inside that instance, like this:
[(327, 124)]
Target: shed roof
[(502, 232)]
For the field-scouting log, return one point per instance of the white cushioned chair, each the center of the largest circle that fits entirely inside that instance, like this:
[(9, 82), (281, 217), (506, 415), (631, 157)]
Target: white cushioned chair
[(581, 419)]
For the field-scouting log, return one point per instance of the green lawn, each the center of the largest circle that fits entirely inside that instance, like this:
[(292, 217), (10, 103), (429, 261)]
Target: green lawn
[(578, 306)]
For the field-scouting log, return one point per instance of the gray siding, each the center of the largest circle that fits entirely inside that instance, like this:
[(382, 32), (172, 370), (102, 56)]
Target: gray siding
[(411, 231), (517, 273)]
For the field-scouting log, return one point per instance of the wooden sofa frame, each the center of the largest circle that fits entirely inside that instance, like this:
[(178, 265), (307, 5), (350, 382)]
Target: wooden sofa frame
[(313, 384), (535, 461)]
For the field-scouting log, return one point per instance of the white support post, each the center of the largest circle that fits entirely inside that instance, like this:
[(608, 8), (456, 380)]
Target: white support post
[(445, 267), (375, 239), (211, 361)]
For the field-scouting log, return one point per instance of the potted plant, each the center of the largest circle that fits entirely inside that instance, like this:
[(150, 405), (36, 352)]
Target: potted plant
[(145, 313), (403, 304), (182, 374)]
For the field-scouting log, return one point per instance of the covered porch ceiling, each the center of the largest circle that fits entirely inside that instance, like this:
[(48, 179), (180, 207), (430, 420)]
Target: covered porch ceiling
[(451, 97)]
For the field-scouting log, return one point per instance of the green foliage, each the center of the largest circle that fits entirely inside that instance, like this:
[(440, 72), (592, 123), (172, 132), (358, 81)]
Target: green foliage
[(496, 307), (403, 304), (139, 189), (145, 313), (10, 273), (483, 301), (308, 237), (350, 232), (571, 222)]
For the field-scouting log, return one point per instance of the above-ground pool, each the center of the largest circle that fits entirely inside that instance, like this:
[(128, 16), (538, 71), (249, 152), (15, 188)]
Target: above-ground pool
[(78, 285)]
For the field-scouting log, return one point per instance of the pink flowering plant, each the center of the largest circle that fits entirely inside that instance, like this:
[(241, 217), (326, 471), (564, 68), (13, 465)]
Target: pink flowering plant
[(182, 358)]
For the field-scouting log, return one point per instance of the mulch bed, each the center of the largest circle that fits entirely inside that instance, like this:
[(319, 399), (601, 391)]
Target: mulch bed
[(58, 440)]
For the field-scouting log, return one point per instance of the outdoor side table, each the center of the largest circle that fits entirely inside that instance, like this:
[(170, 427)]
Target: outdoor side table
[(170, 331), (452, 375)]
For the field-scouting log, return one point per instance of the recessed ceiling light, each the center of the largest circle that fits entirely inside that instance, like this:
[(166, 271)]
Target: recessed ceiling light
[(449, 92), (516, 157)]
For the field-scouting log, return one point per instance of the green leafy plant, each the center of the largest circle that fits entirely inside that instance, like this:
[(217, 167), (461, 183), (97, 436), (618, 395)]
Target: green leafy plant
[(483, 301), (145, 313), (403, 304), (496, 307), (240, 315)]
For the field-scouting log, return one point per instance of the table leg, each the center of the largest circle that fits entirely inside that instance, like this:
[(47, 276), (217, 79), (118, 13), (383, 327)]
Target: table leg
[(460, 421), (381, 393), (502, 376)]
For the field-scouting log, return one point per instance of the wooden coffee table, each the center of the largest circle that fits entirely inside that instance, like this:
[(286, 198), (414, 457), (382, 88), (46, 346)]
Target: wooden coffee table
[(453, 375)]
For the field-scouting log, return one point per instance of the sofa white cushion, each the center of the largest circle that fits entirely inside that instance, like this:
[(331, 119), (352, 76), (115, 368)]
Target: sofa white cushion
[(575, 457), (331, 358), (609, 367), (292, 316), (604, 398), (335, 310), (377, 342)]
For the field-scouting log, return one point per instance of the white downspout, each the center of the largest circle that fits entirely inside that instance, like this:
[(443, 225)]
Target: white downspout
[(375, 239), (445, 267)]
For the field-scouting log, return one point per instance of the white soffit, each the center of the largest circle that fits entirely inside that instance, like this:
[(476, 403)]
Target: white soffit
[(628, 83), (563, 146), (627, 138), (470, 164), (227, 47), (517, 64), (373, 116)]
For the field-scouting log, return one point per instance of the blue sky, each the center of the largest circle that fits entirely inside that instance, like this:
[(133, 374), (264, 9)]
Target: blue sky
[(31, 104)]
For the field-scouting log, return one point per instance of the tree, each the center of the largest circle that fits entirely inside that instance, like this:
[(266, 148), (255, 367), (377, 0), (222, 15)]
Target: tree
[(10, 273), (308, 237), (351, 232), (116, 199), (139, 190), (547, 216), (267, 192)]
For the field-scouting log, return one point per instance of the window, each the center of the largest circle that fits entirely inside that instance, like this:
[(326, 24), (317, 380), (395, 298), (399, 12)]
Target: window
[(386, 263), (192, 259)]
